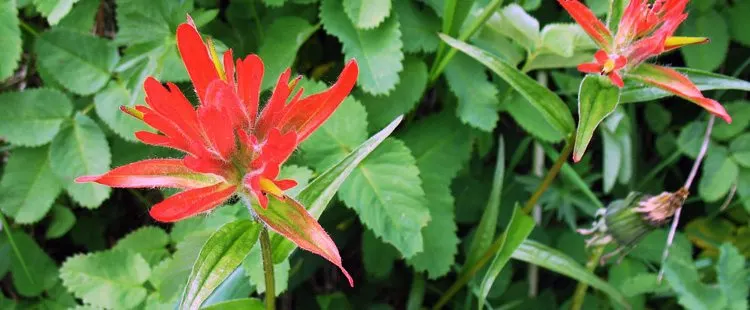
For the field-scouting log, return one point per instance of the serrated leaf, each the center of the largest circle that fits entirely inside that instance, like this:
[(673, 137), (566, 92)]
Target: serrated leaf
[(441, 146), (223, 252), (597, 99), (683, 277), (367, 14), (704, 80), (378, 51), (719, 173), (28, 187), (549, 105), (419, 27), (62, 221), (706, 56), (385, 191), (381, 110), (339, 135), (10, 54), (283, 38), (81, 149), (43, 272), (107, 104), (730, 269), (740, 112), (33, 117), (80, 70), (377, 256), (54, 10), (316, 196), (110, 279), (526, 115), (253, 265), (477, 97), (148, 241)]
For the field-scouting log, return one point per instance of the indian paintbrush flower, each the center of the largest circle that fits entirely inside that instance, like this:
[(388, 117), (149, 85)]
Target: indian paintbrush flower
[(230, 148), (645, 30)]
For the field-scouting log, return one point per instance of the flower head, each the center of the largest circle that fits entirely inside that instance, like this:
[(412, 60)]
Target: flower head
[(645, 30), (230, 148)]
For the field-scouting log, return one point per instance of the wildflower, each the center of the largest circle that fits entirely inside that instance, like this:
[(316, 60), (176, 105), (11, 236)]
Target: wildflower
[(230, 148), (645, 30)]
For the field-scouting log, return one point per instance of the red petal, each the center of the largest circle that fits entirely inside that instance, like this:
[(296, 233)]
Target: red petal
[(277, 148), (616, 79), (588, 21), (601, 56), (152, 173), (676, 83), (590, 67), (215, 118), (309, 113), (229, 68), (191, 202), (205, 164), (196, 57), (249, 79), (620, 62), (286, 184), (275, 106), (291, 220)]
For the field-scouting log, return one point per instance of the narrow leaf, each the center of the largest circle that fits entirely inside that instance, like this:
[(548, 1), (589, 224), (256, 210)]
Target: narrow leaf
[(597, 99), (220, 255), (238, 304)]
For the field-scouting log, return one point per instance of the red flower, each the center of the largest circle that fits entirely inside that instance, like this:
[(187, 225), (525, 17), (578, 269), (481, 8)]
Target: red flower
[(645, 30), (230, 147)]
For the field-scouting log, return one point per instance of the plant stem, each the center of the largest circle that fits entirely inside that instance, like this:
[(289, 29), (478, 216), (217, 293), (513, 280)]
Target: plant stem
[(580, 292), (265, 248), (498, 242), (533, 272)]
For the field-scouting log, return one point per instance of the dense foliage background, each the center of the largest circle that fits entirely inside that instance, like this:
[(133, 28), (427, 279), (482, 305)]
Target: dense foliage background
[(407, 218)]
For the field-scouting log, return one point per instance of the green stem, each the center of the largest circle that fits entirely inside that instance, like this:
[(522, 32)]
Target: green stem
[(87, 109), (498, 242), (265, 248), (580, 292), (28, 28)]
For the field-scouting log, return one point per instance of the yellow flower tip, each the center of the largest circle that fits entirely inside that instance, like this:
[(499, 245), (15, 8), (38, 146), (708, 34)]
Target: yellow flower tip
[(677, 42), (132, 112), (293, 83), (270, 187), (216, 60), (608, 66)]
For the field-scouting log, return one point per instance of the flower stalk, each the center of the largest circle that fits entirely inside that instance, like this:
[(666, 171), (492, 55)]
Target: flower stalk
[(265, 248)]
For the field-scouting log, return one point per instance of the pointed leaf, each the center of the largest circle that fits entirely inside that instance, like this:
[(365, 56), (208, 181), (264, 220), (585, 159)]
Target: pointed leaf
[(541, 255), (42, 267), (367, 14), (419, 27), (220, 255), (316, 195), (519, 228), (549, 105), (704, 80), (378, 51), (28, 187), (597, 98), (33, 117), (10, 54)]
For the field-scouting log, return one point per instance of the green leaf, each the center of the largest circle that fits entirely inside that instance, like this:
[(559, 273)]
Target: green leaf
[(704, 80), (367, 14), (43, 272), (235, 286), (527, 117), (740, 112), (519, 228), (10, 54), (538, 254), (513, 22), (386, 193), (238, 304), (719, 173), (110, 279), (549, 105), (33, 117), (597, 99), (730, 269), (706, 56), (81, 149), (617, 149), (485, 231), (658, 118), (253, 265), (274, 3), (419, 27), (107, 103), (140, 21), (80, 70), (54, 10), (316, 195), (641, 284), (683, 277), (740, 149), (377, 256), (623, 272), (738, 12), (381, 110), (28, 187), (339, 135), (284, 37), (477, 97), (560, 39), (62, 221), (378, 51), (82, 16), (441, 146), (221, 254), (148, 241)]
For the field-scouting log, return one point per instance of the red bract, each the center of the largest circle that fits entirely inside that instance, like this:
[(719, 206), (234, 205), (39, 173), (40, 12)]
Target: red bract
[(230, 147), (644, 31)]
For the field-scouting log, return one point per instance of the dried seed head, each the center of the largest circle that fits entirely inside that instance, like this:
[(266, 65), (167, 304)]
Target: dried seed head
[(624, 223), (658, 209)]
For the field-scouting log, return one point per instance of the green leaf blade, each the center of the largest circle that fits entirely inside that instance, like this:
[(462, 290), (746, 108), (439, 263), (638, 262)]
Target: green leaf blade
[(597, 99), (28, 187), (34, 116), (10, 54)]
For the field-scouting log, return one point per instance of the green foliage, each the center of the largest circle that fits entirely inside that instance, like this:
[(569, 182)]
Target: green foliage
[(11, 34), (62, 221), (597, 99), (148, 241), (42, 271), (33, 117), (477, 98), (285, 36), (28, 187), (708, 24)]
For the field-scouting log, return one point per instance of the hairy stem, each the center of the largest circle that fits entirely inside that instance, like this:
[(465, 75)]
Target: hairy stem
[(580, 292), (265, 248)]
